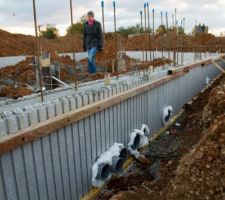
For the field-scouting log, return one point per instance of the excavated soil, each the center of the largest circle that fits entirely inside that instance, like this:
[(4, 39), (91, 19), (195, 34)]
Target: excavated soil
[(14, 92), (18, 44), (171, 42), (187, 162), (17, 76)]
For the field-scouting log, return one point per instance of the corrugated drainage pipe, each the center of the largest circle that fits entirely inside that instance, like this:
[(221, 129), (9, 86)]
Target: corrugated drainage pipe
[(145, 131), (117, 164), (123, 153), (136, 142), (104, 171)]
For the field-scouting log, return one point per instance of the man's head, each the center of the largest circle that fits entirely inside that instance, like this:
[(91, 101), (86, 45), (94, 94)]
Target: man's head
[(90, 16)]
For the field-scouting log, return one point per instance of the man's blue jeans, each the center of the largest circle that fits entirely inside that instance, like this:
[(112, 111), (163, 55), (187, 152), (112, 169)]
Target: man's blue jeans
[(91, 59)]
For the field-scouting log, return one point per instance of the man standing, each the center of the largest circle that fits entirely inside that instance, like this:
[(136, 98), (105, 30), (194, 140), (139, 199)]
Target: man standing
[(92, 40)]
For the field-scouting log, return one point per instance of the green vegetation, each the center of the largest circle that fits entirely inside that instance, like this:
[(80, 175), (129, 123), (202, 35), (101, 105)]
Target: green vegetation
[(50, 32), (132, 30), (77, 27), (161, 30)]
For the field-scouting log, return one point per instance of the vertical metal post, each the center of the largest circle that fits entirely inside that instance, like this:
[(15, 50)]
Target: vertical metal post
[(141, 13), (167, 24), (177, 41), (175, 16), (141, 20), (38, 51), (114, 9), (161, 18), (200, 32), (71, 12), (184, 32), (72, 37), (175, 34), (71, 20), (149, 28), (176, 24), (173, 20), (174, 55), (182, 61), (167, 31), (103, 25), (145, 13), (153, 32), (162, 35), (184, 24), (103, 19)]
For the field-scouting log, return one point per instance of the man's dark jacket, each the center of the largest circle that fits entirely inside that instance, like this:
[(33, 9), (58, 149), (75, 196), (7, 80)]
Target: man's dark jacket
[(92, 36)]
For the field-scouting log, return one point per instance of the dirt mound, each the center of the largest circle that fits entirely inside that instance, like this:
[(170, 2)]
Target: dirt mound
[(21, 73), (201, 174), (186, 43), (18, 44), (66, 60), (14, 92), (216, 104)]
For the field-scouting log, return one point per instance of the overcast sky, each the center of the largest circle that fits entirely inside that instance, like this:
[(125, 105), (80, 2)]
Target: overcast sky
[(17, 15)]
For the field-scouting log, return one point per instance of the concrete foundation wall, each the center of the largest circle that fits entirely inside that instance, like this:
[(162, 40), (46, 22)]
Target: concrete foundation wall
[(58, 166)]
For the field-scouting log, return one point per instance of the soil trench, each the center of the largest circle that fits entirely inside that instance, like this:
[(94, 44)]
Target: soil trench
[(171, 170)]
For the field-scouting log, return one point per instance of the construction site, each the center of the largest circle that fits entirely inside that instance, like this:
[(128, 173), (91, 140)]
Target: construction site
[(149, 124)]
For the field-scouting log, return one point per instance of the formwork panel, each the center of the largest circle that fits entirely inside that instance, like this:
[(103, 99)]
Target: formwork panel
[(58, 166), (77, 161)]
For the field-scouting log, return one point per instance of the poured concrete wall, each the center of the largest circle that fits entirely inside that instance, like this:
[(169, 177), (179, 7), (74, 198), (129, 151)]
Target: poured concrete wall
[(58, 166)]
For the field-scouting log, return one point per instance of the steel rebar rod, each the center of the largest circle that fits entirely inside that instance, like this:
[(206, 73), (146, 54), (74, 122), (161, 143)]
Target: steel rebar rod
[(145, 14), (114, 10), (153, 34), (149, 28), (38, 51)]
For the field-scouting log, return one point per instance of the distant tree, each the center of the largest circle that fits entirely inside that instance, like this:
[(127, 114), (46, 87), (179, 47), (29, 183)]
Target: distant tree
[(141, 29), (181, 31), (50, 32), (132, 30), (77, 27), (126, 31), (161, 30)]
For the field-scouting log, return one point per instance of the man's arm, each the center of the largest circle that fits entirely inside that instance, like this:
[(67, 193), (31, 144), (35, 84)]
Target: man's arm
[(84, 37), (100, 42)]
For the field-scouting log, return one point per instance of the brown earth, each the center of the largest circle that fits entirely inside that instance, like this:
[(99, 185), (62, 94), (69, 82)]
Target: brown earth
[(23, 73), (199, 43), (201, 173), (18, 44), (187, 163), (14, 92)]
